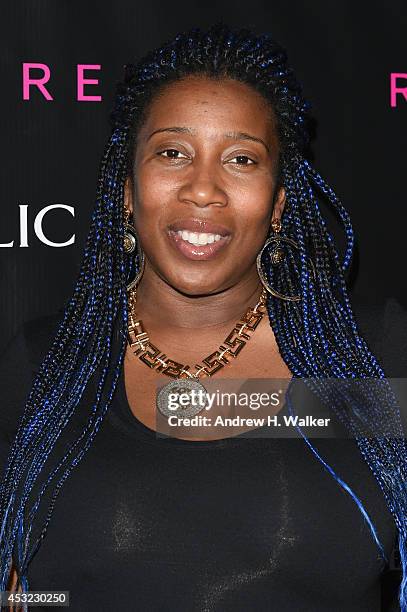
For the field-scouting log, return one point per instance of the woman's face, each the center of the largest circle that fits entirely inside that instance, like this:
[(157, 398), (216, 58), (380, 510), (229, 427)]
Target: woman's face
[(204, 183)]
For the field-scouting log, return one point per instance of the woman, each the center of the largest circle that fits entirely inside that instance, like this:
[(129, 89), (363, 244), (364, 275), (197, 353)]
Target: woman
[(207, 160)]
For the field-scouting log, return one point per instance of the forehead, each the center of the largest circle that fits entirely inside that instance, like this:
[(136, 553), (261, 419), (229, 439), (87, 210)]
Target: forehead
[(203, 103)]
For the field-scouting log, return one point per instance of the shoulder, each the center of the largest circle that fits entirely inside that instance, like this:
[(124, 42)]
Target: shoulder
[(383, 324)]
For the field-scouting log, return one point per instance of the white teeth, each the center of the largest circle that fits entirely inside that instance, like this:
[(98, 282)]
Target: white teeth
[(198, 239), (202, 239)]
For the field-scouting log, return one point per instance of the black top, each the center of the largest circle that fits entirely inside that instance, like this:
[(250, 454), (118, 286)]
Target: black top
[(162, 524)]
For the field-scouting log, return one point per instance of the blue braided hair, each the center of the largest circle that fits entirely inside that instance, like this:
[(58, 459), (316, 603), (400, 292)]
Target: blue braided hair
[(317, 337)]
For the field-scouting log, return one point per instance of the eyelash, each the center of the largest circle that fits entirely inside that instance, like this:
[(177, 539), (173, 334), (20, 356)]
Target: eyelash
[(161, 153)]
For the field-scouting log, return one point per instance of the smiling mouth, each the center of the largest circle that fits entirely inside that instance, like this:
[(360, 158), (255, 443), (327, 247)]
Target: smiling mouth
[(198, 245)]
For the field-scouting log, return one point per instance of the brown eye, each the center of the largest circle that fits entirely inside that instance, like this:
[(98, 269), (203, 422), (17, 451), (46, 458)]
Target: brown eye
[(242, 160), (171, 154)]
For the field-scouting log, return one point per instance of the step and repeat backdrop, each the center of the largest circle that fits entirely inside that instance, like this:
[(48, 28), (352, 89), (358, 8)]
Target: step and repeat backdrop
[(60, 62)]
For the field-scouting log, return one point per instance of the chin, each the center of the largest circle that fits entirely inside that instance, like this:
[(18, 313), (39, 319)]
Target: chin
[(196, 284)]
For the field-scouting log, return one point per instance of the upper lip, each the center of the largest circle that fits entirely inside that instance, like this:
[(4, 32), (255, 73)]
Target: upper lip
[(199, 226)]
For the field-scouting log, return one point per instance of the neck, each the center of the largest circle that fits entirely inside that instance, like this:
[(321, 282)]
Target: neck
[(159, 302)]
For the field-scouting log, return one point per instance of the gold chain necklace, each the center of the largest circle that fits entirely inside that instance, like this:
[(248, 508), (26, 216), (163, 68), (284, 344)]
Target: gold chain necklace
[(186, 381)]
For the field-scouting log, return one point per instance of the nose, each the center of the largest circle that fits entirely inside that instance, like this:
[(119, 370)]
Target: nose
[(202, 187)]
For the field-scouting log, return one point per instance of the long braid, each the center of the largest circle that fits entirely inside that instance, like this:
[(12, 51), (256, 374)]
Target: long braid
[(86, 336), (318, 337)]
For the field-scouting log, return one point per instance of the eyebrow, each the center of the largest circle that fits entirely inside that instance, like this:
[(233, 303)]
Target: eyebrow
[(234, 135)]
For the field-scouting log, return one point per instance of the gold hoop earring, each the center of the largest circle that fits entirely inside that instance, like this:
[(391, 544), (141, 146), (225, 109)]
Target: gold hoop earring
[(276, 257), (131, 243)]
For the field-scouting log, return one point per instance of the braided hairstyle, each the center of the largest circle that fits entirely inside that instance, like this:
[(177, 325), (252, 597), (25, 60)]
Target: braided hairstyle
[(317, 337)]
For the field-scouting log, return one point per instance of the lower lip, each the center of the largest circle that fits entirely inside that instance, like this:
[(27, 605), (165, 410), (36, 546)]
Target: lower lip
[(198, 252)]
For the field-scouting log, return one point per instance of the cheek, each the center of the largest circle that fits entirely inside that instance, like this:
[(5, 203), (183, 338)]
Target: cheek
[(151, 197), (253, 204), (253, 210), (254, 233)]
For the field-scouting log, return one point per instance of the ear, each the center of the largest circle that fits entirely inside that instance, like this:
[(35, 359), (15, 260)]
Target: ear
[(128, 194), (279, 203)]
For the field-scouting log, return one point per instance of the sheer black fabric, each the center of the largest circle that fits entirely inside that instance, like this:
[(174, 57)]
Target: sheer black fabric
[(148, 523)]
